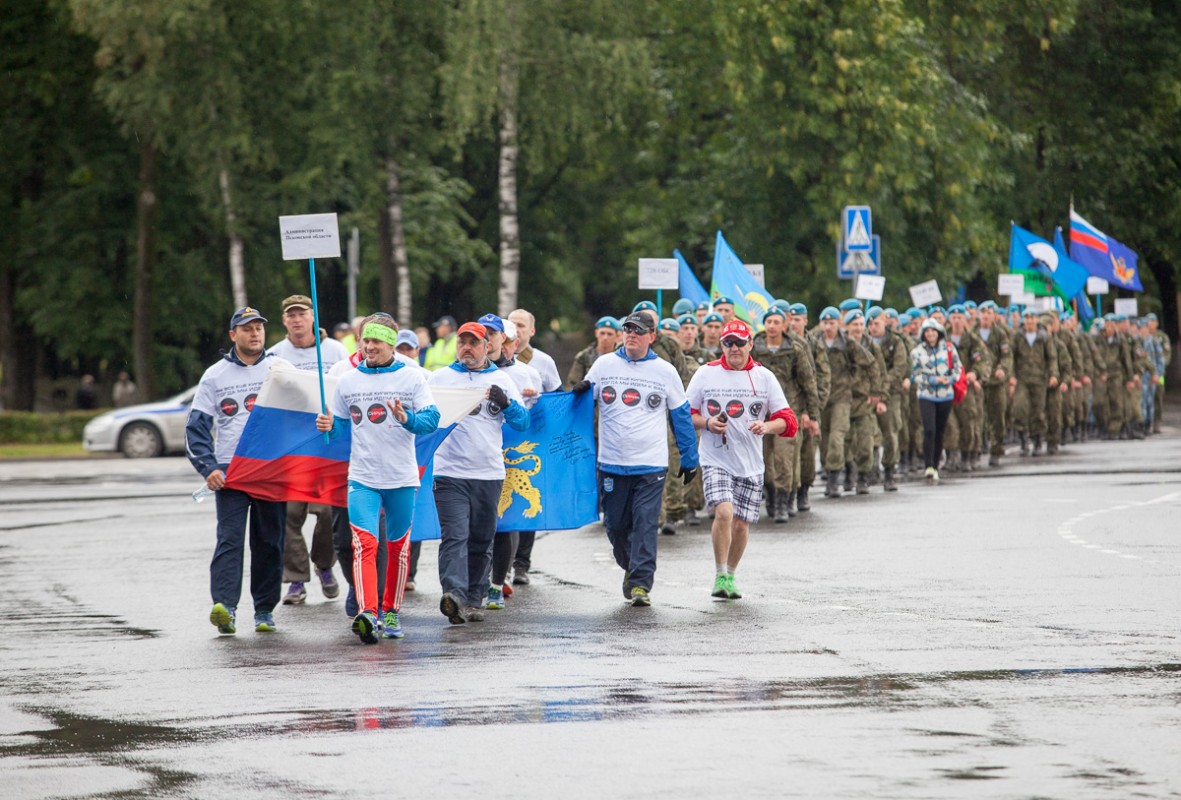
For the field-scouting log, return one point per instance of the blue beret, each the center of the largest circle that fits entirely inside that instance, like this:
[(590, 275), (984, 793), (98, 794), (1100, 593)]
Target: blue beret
[(774, 311), (914, 312), (830, 313), (687, 319), (682, 306), (892, 313), (874, 312), (609, 322), (969, 304), (987, 304), (669, 324), (723, 300), (853, 314), (713, 318), (644, 305), (850, 304), (782, 305), (904, 319), (1150, 315), (957, 309), (798, 309), (703, 306)]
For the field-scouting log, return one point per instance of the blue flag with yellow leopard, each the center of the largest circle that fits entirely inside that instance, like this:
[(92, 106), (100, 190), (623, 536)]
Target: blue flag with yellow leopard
[(730, 279), (550, 481)]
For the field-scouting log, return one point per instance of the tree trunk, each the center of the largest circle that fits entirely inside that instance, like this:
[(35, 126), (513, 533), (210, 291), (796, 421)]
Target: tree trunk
[(397, 233), (237, 249), (145, 267), (18, 353), (510, 234), (387, 280)]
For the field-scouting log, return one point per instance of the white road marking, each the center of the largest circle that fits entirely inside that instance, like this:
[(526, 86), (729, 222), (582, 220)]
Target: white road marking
[(1066, 529)]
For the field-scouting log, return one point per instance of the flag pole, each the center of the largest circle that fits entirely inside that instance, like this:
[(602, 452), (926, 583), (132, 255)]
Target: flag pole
[(316, 330)]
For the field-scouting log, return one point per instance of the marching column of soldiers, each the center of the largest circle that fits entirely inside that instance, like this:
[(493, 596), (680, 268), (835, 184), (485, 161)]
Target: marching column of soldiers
[(1035, 380)]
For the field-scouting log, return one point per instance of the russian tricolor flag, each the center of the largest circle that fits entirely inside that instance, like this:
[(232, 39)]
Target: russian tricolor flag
[(281, 456), (1085, 234)]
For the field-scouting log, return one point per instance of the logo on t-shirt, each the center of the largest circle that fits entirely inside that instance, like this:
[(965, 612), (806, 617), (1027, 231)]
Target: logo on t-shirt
[(713, 407), (377, 413), (494, 409), (608, 395), (653, 400), (356, 415), (229, 406), (734, 409), (249, 403), (631, 397), (756, 409)]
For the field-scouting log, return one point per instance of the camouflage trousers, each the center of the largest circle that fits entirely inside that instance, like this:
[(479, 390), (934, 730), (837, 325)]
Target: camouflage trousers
[(1029, 408)]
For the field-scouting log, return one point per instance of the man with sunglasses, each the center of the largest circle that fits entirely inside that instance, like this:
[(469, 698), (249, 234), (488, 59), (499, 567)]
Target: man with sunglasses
[(636, 392), (736, 402)]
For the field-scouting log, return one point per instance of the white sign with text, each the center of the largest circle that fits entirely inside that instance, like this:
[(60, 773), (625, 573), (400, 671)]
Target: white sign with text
[(758, 273), (869, 287), (1009, 285), (309, 236), (659, 273), (1097, 285), (1126, 305), (925, 294)]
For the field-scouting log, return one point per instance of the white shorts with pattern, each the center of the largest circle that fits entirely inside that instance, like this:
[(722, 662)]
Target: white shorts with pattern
[(745, 494)]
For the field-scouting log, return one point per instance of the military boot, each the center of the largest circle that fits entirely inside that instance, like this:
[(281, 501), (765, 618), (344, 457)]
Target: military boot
[(830, 485), (850, 471), (889, 485), (781, 507), (791, 503), (862, 483), (802, 499), (966, 461), (994, 461), (1137, 430), (1037, 446), (875, 476), (1024, 443)]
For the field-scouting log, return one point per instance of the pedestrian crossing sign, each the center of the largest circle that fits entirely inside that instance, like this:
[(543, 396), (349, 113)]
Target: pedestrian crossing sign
[(858, 229)]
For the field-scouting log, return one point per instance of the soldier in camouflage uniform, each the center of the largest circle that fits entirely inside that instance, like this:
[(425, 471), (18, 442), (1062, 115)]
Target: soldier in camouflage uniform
[(787, 356), (607, 331), (1116, 376), (810, 439), (962, 437), (695, 358), (1056, 397), (676, 504), (1035, 371), (1138, 358), (996, 382), (895, 366), (866, 398), (1166, 349)]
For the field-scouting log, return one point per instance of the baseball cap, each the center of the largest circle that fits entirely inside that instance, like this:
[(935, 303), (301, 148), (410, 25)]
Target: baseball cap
[(474, 329), (510, 331), (406, 339), (669, 324), (687, 319), (245, 314), (736, 329), (296, 301), (639, 322), (830, 313), (492, 322), (446, 319), (606, 322)]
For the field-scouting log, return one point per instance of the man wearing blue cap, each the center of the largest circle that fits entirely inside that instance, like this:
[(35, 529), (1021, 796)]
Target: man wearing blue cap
[(711, 334), (607, 332), (724, 308), (225, 397), (896, 386), (1035, 371), (847, 359), (1112, 380), (996, 383), (1166, 349), (867, 394), (806, 475), (682, 306)]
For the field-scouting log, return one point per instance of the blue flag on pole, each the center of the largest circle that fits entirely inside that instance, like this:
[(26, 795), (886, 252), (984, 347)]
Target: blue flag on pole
[(687, 284), (1103, 256), (1033, 255), (730, 279), (1082, 302)]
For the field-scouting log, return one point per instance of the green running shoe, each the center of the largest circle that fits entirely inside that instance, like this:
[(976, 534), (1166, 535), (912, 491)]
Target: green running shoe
[(224, 618), (640, 597), (732, 588), (720, 587), (265, 623), (365, 626), (391, 627)]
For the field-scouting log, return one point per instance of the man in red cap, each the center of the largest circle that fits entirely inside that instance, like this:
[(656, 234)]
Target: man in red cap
[(735, 401)]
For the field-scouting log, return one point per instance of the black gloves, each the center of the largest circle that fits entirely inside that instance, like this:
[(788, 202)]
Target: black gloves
[(687, 474), (580, 387), (497, 396)]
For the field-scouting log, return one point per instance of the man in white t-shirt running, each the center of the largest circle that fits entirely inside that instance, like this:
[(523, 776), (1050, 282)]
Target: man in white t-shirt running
[(736, 402), (299, 347), (637, 393)]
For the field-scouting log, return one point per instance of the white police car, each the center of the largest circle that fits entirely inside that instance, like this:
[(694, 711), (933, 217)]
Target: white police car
[(143, 431)]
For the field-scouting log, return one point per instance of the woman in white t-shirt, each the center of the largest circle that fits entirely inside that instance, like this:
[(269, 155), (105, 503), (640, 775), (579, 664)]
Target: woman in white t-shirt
[(387, 404)]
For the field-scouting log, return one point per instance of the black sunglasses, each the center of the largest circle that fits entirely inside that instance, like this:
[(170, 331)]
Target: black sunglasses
[(734, 342)]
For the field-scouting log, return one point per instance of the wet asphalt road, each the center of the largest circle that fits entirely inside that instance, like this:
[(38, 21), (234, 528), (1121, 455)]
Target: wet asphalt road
[(1012, 634)]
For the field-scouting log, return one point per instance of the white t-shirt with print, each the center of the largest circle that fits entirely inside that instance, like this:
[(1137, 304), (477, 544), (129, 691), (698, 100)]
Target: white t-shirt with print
[(331, 352), (383, 451), (744, 396), (474, 450), (227, 392), (634, 398)]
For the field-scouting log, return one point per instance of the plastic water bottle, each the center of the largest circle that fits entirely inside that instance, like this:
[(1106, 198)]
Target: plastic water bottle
[(200, 495)]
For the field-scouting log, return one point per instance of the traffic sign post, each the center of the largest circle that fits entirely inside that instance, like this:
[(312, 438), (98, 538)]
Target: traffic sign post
[(858, 229), (850, 265)]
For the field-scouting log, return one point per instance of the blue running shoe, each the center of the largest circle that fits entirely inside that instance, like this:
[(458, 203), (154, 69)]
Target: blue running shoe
[(265, 622), (365, 626), (392, 626), (495, 599), (350, 604), (224, 618)]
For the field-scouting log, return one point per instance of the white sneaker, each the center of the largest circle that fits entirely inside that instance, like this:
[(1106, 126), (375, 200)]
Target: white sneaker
[(932, 476)]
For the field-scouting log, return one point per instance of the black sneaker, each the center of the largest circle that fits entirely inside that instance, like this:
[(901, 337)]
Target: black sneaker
[(520, 577)]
